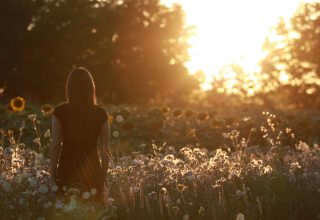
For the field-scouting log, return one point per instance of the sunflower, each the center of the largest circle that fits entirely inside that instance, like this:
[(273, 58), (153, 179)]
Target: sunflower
[(188, 113), (177, 113), (202, 116), (165, 110), (47, 109), (17, 104)]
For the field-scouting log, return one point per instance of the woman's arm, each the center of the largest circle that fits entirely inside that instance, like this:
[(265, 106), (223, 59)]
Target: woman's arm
[(55, 146), (104, 146)]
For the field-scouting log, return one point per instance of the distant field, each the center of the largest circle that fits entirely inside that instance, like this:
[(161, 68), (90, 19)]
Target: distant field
[(172, 164)]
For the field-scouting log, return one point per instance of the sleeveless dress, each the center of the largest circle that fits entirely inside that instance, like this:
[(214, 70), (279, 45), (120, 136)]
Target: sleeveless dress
[(78, 163)]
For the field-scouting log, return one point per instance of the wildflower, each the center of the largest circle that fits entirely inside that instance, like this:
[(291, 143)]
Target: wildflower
[(178, 201), (58, 204), (74, 191), (18, 178), (165, 110), (6, 187), (295, 166), (175, 210), (240, 193), (302, 146), (188, 113), (93, 191), (138, 162), (17, 104), (116, 134), (54, 188), (86, 195), (32, 181), (8, 152), (47, 205), (32, 117), (110, 200), (185, 217), (47, 134), (119, 118), (181, 187), (41, 218), (110, 119), (47, 109), (202, 116), (70, 206), (177, 113), (201, 210), (43, 189), (240, 216), (37, 141), (226, 135), (152, 194), (267, 169)]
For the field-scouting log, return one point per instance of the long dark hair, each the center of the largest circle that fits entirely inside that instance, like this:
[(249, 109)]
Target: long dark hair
[(80, 88)]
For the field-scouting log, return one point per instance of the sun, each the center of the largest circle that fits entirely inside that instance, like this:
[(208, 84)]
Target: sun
[(230, 31)]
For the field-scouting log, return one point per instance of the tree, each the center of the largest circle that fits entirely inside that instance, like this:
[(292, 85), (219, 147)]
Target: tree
[(293, 49), (135, 49)]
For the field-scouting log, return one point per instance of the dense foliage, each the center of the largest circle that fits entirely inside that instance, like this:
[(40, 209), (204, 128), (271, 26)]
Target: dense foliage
[(135, 49), (293, 48)]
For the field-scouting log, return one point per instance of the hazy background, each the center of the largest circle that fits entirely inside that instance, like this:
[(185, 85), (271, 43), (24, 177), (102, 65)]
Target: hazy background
[(146, 50)]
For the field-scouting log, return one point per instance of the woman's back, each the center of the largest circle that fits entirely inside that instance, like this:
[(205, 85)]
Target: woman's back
[(80, 126), (79, 164)]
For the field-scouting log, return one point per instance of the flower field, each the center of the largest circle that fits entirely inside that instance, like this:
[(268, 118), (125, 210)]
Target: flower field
[(171, 163)]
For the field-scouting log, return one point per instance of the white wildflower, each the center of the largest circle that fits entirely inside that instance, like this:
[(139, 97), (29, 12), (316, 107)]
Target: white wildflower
[(43, 189), (32, 181), (18, 178), (58, 204), (185, 217), (71, 205), (295, 166), (37, 141), (54, 188), (47, 205), (47, 133), (137, 162), (86, 195), (32, 117), (6, 187), (93, 191), (303, 146), (41, 218), (110, 200), (226, 135), (240, 216), (74, 191), (119, 118), (116, 134)]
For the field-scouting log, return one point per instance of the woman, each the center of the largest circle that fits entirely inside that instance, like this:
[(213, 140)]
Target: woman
[(77, 124)]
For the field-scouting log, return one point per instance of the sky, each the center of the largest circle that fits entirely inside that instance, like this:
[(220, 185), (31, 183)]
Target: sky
[(230, 31)]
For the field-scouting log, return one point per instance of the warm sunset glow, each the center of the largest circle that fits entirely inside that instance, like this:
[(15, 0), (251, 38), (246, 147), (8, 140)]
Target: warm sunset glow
[(230, 31)]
